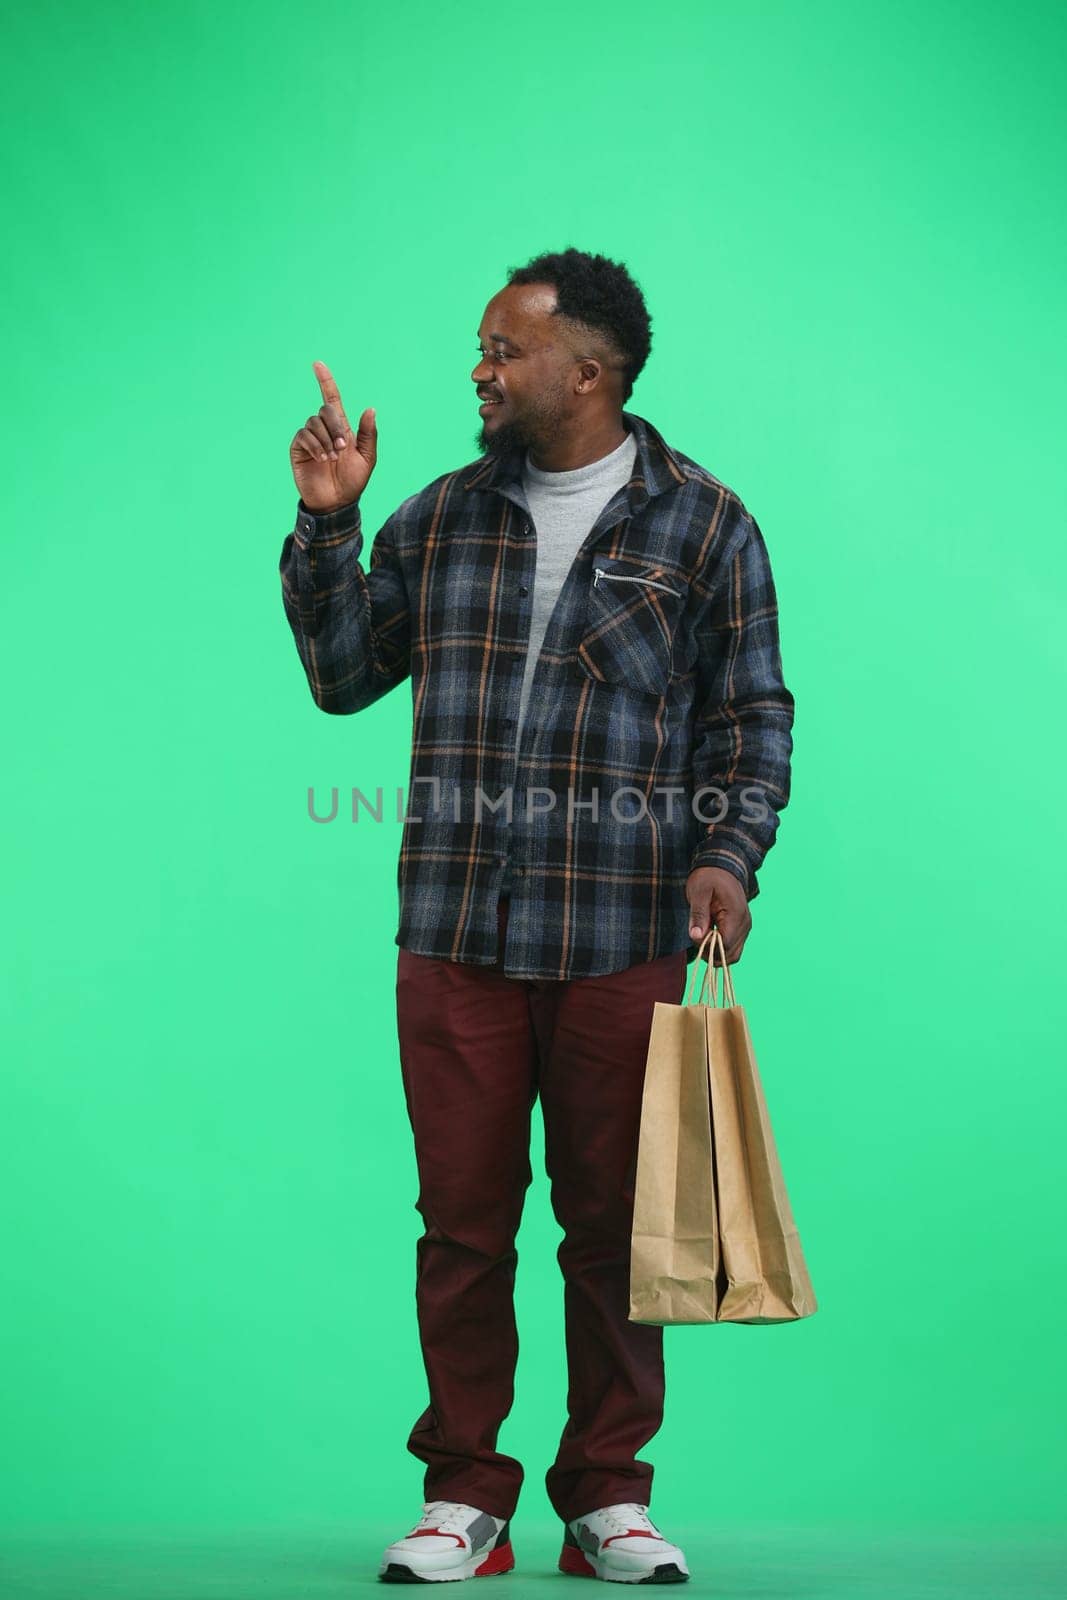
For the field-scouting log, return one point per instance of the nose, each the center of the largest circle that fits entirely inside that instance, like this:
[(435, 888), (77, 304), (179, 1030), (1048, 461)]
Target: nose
[(482, 372)]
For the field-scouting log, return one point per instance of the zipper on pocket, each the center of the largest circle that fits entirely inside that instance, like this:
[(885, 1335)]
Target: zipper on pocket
[(624, 577)]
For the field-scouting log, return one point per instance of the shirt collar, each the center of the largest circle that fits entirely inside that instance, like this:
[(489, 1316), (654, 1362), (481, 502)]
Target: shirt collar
[(656, 468)]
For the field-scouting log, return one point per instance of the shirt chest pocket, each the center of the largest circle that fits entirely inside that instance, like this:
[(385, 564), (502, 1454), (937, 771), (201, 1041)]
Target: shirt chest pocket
[(632, 611)]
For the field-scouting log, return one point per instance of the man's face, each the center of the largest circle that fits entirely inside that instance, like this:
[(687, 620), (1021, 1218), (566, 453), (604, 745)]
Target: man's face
[(528, 369)]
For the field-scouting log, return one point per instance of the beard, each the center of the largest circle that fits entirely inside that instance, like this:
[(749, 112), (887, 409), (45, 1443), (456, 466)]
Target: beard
[(501, 441), (539, 424)]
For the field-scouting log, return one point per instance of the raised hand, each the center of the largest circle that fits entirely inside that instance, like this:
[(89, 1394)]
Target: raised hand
[(331, 465)]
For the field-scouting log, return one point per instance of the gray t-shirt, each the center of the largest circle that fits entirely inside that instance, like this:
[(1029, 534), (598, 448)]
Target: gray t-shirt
[(564, 506)]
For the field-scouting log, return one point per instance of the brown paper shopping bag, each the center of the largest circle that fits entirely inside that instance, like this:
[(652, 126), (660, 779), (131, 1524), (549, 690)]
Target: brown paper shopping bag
[(714, 1239)]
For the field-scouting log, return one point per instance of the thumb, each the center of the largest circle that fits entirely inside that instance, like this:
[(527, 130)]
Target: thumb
[(700, 917), (367, 435)]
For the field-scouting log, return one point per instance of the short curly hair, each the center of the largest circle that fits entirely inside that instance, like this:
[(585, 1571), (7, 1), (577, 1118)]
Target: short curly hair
[(601, 294)]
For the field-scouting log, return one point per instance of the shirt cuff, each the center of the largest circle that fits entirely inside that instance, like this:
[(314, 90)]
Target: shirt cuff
[(708, 855), (326, 525)]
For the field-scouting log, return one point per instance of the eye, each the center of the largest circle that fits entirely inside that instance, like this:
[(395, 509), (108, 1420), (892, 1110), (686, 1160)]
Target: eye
[(496, 356)]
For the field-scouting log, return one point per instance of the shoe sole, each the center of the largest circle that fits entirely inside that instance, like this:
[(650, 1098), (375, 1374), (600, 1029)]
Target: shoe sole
[(576, 1564), (493, 1565)]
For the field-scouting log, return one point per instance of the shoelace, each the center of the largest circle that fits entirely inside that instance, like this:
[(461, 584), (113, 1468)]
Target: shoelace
[(630, 1517), (439, 1513)]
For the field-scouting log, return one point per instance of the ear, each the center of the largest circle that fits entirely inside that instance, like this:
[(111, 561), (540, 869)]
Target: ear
[(588, 375)]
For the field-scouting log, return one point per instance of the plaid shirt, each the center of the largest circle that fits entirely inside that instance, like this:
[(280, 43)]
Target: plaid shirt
[(657, 737)]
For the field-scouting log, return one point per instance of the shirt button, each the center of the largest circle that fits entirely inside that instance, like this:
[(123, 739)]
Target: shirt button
[(523, 589), (508, 723)]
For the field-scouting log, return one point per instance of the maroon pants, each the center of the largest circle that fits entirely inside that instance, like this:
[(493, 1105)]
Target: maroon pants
[(476, 1050)]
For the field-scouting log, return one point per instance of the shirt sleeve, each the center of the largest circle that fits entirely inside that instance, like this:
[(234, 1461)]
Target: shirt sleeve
[(743, 734), (352, 626)]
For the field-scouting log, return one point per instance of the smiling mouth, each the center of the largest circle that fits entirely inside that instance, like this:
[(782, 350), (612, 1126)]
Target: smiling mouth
[(488, 405)]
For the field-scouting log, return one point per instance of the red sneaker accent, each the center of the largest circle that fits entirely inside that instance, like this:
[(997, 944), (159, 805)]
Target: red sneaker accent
[(639, 1533), (501, 1559), (572, 1560), (442, 1533)]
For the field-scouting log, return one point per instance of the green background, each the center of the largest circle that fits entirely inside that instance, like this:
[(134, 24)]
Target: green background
[(850, 228)]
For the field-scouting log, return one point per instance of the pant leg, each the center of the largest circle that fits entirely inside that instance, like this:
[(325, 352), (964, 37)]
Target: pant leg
[(595, 1035), (469, 1065)]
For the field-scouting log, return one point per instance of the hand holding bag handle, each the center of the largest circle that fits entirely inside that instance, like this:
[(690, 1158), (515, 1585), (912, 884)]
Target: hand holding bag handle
[(713, 939)]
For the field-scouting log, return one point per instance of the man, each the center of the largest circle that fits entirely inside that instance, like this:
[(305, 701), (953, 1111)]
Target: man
[(601, 746)]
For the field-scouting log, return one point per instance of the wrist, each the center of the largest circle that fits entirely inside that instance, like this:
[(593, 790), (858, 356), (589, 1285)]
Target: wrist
[(329, 510)]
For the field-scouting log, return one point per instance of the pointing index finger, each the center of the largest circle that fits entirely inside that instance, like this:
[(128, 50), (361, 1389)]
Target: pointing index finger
[(328, 388)]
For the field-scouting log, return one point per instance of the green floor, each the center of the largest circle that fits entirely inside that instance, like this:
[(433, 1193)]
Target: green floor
[(735, 1564)]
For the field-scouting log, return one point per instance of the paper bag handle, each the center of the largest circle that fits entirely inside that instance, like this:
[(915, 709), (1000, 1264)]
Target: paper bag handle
[(713, 939)]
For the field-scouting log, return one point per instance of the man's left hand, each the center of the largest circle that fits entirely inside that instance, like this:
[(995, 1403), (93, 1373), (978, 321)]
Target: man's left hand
[(716, 896)]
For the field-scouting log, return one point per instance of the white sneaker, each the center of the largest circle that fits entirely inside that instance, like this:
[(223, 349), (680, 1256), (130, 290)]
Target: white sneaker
[(621, 1543), (451, 1540)]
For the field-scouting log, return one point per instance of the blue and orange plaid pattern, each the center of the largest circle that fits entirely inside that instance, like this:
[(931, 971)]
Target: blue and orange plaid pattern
[(658, 734)]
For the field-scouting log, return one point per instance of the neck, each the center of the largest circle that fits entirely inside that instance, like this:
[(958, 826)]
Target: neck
[(567, 452)]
